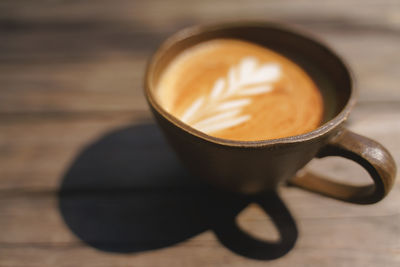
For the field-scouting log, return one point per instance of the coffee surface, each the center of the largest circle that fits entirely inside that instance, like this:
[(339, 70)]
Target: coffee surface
[(238, 90)]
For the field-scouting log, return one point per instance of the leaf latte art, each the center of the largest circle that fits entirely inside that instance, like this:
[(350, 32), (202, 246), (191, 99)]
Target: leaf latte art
[(238, 90), (223, 107)]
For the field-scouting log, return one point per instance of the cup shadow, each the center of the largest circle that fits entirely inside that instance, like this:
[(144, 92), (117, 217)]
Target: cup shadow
[(127, 192)]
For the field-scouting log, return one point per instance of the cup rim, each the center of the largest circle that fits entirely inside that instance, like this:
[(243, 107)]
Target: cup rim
[(198, 29)]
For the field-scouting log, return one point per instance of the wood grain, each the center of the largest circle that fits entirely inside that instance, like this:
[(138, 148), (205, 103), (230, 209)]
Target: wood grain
[(71, 79), (35, 240), (67, 56)]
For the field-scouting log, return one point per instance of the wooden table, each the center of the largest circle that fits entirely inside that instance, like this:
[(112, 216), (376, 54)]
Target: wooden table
[(76, 141)]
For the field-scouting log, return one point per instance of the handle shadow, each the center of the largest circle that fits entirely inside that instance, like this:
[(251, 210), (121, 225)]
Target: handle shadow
[(240, 242)]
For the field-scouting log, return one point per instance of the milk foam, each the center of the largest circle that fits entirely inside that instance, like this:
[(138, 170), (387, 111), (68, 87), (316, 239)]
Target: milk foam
[(218, 111), (238, 90)]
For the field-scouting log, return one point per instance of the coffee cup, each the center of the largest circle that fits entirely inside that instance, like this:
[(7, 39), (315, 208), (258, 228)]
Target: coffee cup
[(255, 166)]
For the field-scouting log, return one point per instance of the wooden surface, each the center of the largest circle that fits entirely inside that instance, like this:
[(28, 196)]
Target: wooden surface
[(76, 139)]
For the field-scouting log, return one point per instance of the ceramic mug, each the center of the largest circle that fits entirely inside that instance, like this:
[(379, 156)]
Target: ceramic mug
[(256, 166)]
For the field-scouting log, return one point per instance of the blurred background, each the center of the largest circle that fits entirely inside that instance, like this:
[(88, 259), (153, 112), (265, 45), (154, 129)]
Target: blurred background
[(71, 72)]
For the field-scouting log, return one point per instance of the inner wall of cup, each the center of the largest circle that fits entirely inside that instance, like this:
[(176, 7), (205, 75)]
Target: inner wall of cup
[(327, 71)]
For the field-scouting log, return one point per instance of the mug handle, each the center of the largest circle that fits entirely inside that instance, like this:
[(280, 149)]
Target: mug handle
[(366, 152)]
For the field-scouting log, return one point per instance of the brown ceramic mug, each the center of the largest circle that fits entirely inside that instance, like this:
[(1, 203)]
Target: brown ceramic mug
[(256, 166)]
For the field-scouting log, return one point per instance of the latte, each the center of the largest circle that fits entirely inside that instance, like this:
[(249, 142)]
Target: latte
[(238, 90)]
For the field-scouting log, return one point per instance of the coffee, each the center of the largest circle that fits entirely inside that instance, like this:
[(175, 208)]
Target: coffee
[(239, 90)]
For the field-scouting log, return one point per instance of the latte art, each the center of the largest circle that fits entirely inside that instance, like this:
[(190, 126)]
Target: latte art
[(238, 90), (222, 108)]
